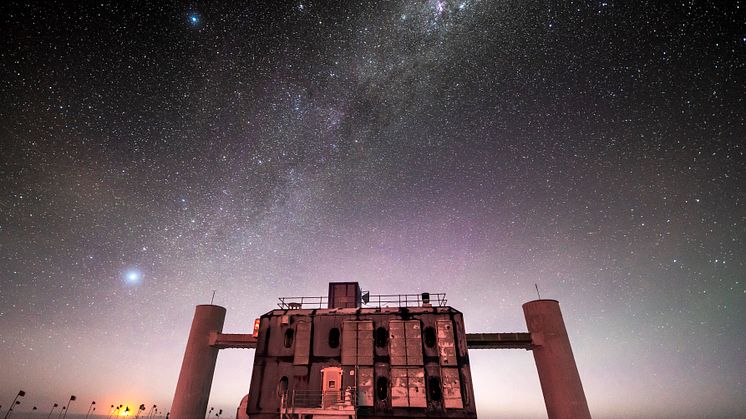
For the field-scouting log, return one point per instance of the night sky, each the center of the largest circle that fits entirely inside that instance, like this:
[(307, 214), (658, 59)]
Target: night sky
[(152, 152)]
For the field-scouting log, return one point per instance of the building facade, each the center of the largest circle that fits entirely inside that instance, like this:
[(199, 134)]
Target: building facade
[(407, 358), (352, 354)]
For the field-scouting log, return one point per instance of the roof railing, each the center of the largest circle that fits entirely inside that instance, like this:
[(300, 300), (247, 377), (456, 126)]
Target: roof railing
[(329, 399), (290, 303), (373, 301)]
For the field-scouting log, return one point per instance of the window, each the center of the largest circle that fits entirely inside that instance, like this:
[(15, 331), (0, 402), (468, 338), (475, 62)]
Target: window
[(382, 388), (429, 333), (382, 337), (282, 386), (288, 341), (334, 338), (433, 384)]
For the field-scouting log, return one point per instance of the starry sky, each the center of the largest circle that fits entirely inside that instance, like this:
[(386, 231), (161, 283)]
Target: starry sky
[(152, 152)]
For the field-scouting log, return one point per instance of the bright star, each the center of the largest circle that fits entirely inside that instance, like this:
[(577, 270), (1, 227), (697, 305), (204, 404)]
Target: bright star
[(194, 19), (133, 277)]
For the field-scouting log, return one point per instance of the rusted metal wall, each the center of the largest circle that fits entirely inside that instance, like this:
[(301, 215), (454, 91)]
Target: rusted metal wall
[(446, 345), (322, 327), (302, 353), (402, 370), (365, 386), (451, 388), (357, 343), (405, 342), (408, 387)]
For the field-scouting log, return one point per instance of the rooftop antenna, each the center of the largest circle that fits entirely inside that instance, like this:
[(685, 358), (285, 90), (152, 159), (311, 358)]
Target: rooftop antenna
[(213, 297), (537, 290)]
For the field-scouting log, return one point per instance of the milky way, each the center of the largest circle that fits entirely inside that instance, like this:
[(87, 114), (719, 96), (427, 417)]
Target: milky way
[(153, 152)]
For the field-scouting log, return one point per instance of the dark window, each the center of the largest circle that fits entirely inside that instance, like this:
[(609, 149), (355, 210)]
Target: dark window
[(282, 386), (433, 384), (288, 342), (334, 338), (382, 337), (382, 388), (429, 337)]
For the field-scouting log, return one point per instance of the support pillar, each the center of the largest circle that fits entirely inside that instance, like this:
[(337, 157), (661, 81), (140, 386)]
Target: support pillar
[(195, 379), (558, 374)]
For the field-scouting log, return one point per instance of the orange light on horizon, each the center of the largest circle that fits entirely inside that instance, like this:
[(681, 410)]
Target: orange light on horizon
[(124, 411)]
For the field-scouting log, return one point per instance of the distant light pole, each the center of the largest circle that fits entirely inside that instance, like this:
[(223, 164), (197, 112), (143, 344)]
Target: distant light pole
[(15, 401), (61, 412), (32, 411), (66, 408), (50, 412), (11, 408), (150, 412), (89, 409)]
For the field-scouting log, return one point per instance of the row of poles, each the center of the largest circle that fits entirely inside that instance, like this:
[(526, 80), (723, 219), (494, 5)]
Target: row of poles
[(118, 410), (115, 411), (63, 411)]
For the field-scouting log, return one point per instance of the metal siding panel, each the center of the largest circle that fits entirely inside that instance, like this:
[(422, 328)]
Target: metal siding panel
[(414, 342), (365, 343), (302, 343), (399, 393), (451, 388), (446, 346), (365, 386), (413, 329), (417, 393), (397, 343), (349, 343), (460, 333)]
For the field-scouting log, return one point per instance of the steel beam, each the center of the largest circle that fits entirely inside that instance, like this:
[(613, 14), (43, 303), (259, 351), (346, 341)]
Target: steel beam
[(517, 340)]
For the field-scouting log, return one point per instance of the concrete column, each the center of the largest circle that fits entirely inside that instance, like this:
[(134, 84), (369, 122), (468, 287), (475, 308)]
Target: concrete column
[(195, 378), (558, 374)]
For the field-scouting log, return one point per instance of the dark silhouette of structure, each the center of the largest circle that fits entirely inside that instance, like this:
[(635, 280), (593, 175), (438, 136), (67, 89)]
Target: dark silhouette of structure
[(353, 354)]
